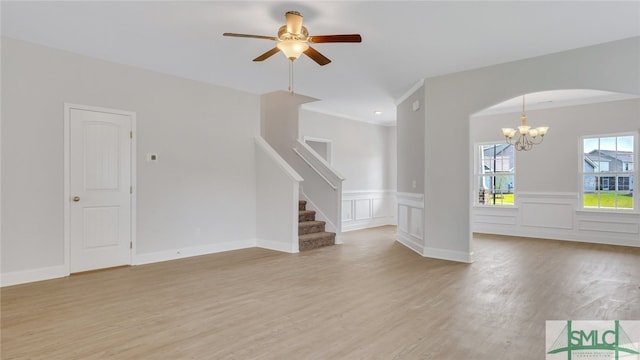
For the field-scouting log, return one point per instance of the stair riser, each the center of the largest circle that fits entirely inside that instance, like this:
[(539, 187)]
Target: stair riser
[(306, 217), (303, 230), (317, 243), (302, 205)]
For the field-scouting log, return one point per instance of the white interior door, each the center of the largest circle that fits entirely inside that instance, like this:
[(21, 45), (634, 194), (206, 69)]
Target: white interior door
[(100, 189)]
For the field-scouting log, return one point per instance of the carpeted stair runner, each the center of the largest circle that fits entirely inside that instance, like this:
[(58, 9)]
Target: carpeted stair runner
[(311, 234)]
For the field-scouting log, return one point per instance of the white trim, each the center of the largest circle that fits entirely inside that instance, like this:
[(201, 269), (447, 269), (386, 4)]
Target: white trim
[(558, 216), (309, 107), (334, 187), (409, 241), (329, 143), (174, 254), (409, 233), (410, 92), (380, 210), (277, 246), (67, 193), (410, 199), (275, 157), (635, 173), (317, 163), (450, 255), (32, 275)]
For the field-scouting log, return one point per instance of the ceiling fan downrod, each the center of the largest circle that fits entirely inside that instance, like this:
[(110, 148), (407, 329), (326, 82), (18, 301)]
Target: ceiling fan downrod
[(291, 76)]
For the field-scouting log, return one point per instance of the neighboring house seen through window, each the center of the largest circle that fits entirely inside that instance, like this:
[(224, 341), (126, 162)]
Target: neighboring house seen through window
[(608, 164), (495, 174)]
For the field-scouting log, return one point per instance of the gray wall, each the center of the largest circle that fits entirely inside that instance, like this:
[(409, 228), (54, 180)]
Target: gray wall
[(200, 193), (410, 144), (450, 100)]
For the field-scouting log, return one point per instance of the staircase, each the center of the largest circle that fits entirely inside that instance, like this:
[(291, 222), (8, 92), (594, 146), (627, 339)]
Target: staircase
[(311, 234)]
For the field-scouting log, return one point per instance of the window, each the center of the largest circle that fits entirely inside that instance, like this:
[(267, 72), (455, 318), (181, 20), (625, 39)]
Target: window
[(607, 171), (495, 174)]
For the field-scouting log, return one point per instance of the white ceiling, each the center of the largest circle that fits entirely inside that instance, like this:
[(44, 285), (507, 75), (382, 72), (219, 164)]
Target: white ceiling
[(403, 42)]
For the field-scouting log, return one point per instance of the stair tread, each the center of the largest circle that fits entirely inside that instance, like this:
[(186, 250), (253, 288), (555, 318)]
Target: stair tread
[(311, 223)]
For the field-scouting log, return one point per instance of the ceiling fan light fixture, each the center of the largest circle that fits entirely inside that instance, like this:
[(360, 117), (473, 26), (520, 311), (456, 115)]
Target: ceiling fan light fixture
[(292, 49), (294, 22)]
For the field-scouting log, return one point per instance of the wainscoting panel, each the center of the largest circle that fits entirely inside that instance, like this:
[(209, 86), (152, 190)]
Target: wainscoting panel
[(367, 208), (548, 215), (557, 216), (411, 221), (403, 218), (616, 227), (363, 208), (347, 213)]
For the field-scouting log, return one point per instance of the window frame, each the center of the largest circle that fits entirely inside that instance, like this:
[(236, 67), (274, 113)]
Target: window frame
[(478, 175), (612, 174)]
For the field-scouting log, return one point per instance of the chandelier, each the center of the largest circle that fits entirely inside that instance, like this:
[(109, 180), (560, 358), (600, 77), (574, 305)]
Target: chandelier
[(525, 136)]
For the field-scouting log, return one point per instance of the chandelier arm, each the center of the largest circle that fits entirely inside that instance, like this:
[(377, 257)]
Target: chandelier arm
[(526, 137)]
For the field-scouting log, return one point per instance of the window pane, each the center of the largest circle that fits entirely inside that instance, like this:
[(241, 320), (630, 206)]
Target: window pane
[(590, 195), (611, 161), (590, 144), (496, 174), (608, 143)]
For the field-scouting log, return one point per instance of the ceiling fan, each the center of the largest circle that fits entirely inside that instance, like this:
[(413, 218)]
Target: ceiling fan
[(294, 40)]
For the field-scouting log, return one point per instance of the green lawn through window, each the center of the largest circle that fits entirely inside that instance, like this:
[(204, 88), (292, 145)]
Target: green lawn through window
[(501, 199), (608, 200)]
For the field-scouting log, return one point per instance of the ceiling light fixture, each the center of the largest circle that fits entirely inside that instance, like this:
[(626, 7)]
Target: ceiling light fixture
[(527, 137), (292, 49), (293, 40)]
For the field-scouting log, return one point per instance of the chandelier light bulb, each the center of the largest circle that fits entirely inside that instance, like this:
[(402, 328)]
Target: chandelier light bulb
[(527, 137)]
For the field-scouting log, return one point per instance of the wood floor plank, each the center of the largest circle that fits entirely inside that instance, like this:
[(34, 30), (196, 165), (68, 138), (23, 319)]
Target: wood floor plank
[(369, 298)]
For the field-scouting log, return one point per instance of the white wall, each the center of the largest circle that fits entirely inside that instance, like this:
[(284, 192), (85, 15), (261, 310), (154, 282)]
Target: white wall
[(322, 185), (364, 154), (450, 100), (277, 196), (361, 151), (199, 197), (548, 180)]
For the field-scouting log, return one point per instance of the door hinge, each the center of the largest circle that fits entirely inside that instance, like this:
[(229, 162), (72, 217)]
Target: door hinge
[(130, 244), (130, 134), (130, 189)]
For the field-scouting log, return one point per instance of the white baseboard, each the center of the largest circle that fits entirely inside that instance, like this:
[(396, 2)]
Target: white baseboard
[(33, 275), (434, 253), (368, 224), (408, 241), (451, 255), (277, 246), (141, 259)]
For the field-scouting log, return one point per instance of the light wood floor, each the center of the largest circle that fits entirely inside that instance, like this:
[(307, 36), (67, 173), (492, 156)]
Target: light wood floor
[(370, 298)]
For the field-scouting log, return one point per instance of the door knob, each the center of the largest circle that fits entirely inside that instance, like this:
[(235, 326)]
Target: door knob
[(76, 198)]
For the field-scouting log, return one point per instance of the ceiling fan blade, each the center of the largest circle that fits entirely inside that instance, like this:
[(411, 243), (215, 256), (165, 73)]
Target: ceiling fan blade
[(316, 56), (251, 36), (294, 22), (267, 55), (349, 38)]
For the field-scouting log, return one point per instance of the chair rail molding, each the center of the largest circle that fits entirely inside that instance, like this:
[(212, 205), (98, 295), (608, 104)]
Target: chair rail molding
[(559, 216)]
